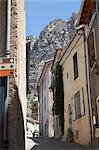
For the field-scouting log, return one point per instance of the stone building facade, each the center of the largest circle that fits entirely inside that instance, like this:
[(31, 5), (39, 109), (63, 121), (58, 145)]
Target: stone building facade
[(89, 17), (75, 92), (46, 101), (16, 86)]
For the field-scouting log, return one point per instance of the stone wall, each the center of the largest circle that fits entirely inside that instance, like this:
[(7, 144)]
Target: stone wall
[(14, 28), (17, 84), (15, 120)]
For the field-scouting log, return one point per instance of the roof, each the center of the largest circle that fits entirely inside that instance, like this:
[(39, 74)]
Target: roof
[(71, 45), (85, 8)]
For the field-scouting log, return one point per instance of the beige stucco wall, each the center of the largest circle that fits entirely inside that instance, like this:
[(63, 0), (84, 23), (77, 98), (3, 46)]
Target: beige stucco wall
[(71, 87), (46, 102), (94, 75)]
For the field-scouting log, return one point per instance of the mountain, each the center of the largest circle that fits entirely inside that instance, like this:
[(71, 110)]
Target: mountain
[(56, 34)]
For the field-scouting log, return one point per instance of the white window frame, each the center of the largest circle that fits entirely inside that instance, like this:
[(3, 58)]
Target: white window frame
[(82, 105), (93, 31), (97, 104)]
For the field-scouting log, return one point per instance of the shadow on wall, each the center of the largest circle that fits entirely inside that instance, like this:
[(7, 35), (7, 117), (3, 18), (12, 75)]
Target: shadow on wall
[(16, 134)]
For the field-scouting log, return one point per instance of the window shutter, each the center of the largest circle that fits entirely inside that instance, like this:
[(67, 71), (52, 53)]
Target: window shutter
[(82, 101), (73, 108)]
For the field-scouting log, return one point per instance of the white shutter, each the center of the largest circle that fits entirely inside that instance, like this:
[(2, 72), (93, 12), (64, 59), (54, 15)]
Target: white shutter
[(73, 108), (82, 101)]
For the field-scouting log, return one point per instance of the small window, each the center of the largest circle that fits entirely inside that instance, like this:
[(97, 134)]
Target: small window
[(44, 103), (77, 105), (75, 66), (97, 104), (91, 49), (77, 134), (67, 75)]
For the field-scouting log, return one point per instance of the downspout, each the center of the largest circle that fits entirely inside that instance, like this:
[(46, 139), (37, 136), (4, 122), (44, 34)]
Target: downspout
[(88, 90), (7, 51), (7, 54), (82, 27)]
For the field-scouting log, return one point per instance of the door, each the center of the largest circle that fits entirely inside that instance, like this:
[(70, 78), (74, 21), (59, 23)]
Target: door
[(3, 95)]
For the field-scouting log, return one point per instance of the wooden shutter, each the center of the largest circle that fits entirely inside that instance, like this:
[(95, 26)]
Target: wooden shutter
[(91, 49), (82, 102), (73, 108), (77, 105)]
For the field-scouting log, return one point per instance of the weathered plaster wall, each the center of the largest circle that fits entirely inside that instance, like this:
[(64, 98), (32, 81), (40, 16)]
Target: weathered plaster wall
[(71, 87), (17, 89)]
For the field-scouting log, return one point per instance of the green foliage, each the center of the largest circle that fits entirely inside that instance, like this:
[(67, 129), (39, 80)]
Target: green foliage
[(58, 107), (70, 135)]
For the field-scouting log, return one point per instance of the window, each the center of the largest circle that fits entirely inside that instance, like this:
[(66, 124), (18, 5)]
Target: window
[(91, 49), (97, 104), (45, 83), (77, 103), (67, 75), (44, 103), (77, 134), (3, 109), (75, 66)]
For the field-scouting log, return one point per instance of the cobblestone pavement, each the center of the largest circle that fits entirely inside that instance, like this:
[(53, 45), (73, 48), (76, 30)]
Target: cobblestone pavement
[(56, 144)]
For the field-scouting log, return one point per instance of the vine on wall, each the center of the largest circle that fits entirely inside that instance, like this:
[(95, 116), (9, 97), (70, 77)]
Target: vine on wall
[(58, 98)]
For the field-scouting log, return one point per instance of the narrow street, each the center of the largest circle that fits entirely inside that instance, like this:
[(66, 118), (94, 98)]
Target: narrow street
[(56, 144)]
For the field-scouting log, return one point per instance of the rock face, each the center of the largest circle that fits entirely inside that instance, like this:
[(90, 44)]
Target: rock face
[(71, 24), (56, 34)]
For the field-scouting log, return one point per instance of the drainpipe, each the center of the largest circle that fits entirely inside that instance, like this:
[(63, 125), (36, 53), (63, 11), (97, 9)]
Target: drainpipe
[(7, 51), (82, 27), (88, 90), (7, 54)]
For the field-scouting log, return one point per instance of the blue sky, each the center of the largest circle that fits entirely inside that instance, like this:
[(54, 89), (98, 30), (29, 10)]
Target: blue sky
[(40, 12)]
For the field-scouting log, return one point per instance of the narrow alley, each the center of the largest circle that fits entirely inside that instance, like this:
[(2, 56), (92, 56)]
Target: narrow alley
[(56, 144), (49, 74)]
